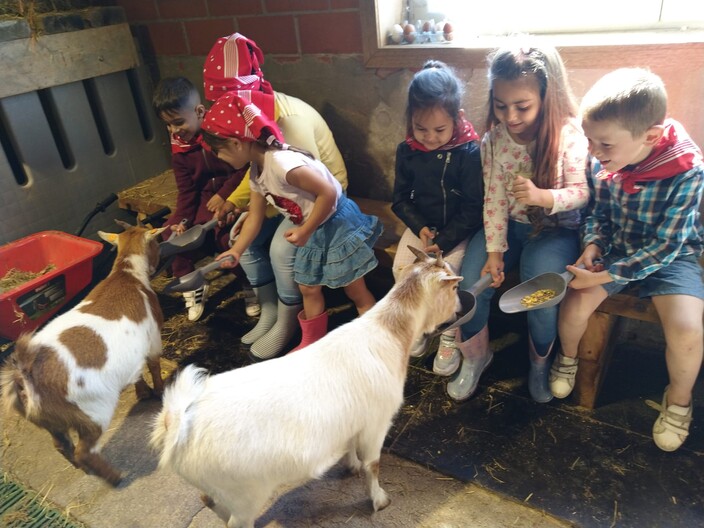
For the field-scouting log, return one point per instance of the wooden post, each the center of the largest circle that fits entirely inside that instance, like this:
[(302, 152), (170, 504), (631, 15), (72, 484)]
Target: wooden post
[(594, 355)]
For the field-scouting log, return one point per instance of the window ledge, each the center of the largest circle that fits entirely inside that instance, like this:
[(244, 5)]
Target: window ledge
[(651, 48)]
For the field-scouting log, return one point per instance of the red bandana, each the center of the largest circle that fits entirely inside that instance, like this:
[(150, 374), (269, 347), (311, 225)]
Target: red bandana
[(674, 154), (180, 146), (234, 64), (244, 115), (464, 133)]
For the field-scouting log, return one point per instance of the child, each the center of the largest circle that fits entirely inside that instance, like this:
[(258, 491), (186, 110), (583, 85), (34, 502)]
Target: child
[(334, 240), (438, 188), (203, 181), (534, 162), (644, 224), (234, 64)]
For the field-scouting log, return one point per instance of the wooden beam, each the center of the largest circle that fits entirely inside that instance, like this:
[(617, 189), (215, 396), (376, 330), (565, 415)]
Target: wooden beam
[(51, 60)]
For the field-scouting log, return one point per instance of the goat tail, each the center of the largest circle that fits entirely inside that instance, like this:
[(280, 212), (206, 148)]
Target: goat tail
[(172, 426), (16, 388)]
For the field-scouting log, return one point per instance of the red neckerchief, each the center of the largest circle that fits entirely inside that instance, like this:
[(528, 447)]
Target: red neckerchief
[(464, 133), (179, 146), (674, 154)]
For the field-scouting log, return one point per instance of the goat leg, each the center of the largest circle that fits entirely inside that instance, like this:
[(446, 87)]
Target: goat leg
[(64, 445), (154, 366)]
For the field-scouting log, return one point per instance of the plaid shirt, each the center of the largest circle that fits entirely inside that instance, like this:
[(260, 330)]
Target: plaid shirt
[(651, 227)]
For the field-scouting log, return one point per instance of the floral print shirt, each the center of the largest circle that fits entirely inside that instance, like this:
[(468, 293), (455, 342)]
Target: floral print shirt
[(503, 159)]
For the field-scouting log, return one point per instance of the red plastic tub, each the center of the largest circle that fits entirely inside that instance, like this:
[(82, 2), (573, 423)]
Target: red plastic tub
[(30, 304)]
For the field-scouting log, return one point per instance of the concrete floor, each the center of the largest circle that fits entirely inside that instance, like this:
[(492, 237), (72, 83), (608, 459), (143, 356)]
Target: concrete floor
[(149, 497)]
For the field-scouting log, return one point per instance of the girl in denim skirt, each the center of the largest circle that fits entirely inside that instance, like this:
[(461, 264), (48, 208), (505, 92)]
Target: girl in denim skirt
[(334, 239)]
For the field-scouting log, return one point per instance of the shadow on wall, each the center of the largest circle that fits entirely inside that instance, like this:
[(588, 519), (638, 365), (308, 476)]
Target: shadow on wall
[(366, 175)]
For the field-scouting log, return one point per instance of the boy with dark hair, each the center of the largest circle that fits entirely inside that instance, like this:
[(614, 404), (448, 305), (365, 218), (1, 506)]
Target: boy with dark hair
[(203, 181), (644, 225)]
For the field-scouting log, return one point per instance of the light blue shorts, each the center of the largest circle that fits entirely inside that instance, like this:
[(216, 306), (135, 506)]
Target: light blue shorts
[(683, 276)]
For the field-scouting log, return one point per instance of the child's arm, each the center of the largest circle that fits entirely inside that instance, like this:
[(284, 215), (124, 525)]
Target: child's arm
[(309, 180), (495, 201), (187, 192), (403, 205), (250, 229)]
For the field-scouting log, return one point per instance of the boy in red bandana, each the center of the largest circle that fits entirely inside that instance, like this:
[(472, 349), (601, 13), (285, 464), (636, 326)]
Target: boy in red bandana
[(644, 224), (203, 181)]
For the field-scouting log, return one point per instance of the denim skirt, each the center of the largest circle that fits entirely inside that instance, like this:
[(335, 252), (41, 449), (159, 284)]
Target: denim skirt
[(341, 250)]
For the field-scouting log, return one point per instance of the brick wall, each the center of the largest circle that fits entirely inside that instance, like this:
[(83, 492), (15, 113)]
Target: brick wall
[(280, 27)]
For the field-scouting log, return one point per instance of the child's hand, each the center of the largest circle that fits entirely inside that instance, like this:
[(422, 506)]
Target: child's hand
[(426, 237), (228, 264), (226, 213), (214, 203), (495, 266), (180, 228), (591, 257), (526, 193), (297, 236), (584, 278)]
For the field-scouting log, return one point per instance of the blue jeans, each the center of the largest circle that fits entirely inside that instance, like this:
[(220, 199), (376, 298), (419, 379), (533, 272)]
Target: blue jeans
[(271, 257), (550, 250)]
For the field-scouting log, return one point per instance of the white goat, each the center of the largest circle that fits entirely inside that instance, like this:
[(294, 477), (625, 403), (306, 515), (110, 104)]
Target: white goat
[(239, 435), (69, 375)]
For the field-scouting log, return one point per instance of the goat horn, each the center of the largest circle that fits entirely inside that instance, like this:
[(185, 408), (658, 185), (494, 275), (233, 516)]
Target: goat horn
[(439, 260)]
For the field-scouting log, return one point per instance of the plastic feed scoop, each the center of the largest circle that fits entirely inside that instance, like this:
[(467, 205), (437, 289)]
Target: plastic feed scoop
[(191, 239), (468, 299), (510, 302), (196, 278)]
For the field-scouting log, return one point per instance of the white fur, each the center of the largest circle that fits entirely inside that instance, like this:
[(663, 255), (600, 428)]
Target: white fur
[(241, 434)]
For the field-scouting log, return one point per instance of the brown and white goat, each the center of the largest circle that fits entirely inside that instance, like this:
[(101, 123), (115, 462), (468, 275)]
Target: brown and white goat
[(240, 435), (69, 375)]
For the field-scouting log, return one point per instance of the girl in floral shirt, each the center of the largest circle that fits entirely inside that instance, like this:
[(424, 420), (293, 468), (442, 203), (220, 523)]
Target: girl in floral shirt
[(534, 162)]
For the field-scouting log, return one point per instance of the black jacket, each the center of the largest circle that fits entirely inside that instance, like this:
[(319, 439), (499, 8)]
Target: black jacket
[(442, 189)]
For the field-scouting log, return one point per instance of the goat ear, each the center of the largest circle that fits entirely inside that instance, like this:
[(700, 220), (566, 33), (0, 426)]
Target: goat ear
[(153, 233), (420, 255), (453, 278), (108, 237), (122, 224)]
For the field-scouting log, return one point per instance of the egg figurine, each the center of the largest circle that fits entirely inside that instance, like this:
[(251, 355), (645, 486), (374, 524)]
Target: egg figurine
[(409, 33), (396, 34), (447, 31)]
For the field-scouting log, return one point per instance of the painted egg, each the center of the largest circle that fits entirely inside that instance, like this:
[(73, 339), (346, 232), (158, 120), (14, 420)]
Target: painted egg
[(396, 34), (409, 33), (447, 31)]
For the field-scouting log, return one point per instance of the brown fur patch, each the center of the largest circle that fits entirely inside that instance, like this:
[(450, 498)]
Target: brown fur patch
[(86, 346), (120, 294), (117, 296)]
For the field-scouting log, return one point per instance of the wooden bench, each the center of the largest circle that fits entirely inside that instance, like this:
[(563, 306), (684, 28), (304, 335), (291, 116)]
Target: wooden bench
[(596, 347)]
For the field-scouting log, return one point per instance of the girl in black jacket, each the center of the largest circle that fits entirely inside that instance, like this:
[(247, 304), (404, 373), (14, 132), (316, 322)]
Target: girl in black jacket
[(438, 191)]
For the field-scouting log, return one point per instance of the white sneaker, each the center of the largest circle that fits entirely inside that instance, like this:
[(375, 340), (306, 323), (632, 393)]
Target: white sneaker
[(672, 425), (562, 375), (447, 358), (195, 302)]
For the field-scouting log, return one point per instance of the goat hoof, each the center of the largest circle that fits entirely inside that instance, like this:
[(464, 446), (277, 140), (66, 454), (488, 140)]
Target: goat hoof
[(207, 500), (381, 501), (113, 478)]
